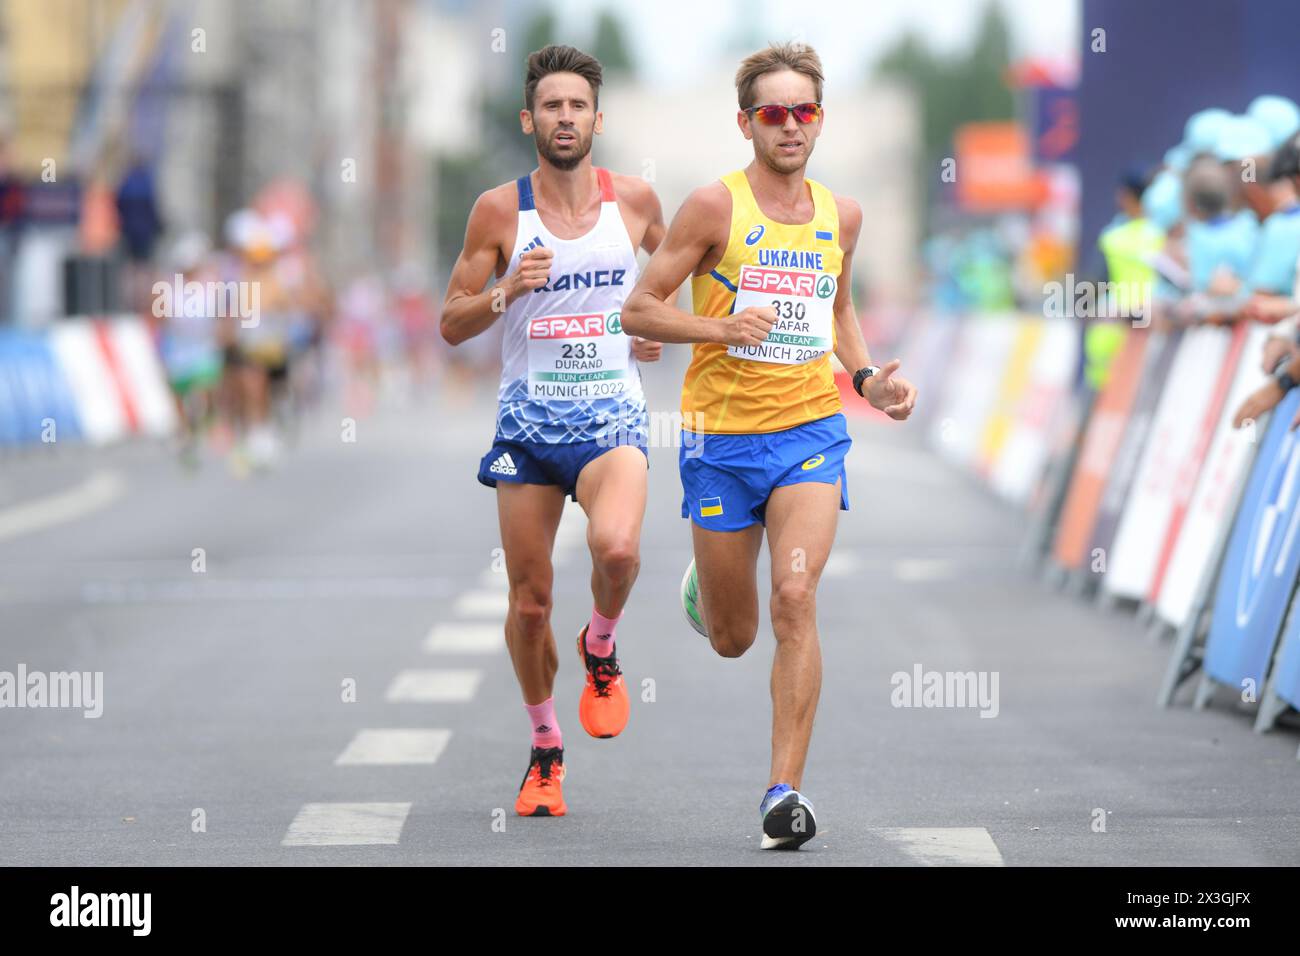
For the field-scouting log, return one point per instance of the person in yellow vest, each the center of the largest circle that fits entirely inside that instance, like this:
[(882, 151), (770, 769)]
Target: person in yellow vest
[(763, 443), (1129, 244)]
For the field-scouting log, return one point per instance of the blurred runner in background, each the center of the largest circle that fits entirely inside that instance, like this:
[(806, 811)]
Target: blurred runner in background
[(188, 342)]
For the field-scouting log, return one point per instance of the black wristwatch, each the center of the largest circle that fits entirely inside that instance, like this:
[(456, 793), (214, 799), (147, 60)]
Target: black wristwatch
[(861, 375), (1284, 381)]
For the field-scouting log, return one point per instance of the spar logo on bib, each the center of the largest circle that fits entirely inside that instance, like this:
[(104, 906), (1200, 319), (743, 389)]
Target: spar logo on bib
[(614, 324), (825, 287), (779, 281), (569, 326)]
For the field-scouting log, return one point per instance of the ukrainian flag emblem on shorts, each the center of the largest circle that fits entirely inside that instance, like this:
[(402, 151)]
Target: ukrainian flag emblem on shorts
[(710, 507)]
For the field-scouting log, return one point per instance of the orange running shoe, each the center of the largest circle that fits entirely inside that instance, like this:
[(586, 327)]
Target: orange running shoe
[(541, 793), (603, 707)]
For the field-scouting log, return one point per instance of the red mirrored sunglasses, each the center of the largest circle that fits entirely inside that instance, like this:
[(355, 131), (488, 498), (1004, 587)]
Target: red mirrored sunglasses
[(774, 114)]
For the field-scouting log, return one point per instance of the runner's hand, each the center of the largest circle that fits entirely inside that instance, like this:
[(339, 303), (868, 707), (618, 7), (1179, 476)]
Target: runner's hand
[(748, 326), (644, 350), (893, 396), (534, 270)]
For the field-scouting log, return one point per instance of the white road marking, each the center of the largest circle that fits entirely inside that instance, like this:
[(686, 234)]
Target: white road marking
[(434, 686), (494, 580), (922, 569), (943, 846), (198, 588), (390, 746), (842, 564), (347, 824), (91, 495), (465, 639), (482, 604)]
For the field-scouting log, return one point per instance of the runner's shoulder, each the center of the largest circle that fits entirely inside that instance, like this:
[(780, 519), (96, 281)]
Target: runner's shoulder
[(497, 204), (707, 210), (494, 216)]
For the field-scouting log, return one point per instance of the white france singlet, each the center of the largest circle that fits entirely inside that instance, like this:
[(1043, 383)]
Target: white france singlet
[(567, 371)]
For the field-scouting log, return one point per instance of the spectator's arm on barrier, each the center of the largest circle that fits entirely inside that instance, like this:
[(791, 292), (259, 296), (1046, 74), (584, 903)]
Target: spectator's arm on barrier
[(1262, 307)]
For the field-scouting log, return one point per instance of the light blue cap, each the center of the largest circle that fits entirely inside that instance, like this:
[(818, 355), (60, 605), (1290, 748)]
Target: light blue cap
[(1202, 129), (1178, 157), (1163, 200), (1279, 115), (1241, 137)]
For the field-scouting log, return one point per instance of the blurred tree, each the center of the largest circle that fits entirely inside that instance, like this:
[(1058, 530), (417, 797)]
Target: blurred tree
[(954, 90), (609, 47)]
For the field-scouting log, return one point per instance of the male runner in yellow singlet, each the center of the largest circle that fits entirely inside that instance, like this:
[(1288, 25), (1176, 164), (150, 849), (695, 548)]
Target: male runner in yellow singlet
[(769, 255)]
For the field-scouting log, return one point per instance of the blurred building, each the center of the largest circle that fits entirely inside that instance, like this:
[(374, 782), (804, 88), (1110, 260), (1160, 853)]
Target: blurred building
[(352, 100)]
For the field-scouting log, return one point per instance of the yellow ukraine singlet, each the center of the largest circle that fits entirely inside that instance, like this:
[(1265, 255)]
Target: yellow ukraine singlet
[(726, 394)]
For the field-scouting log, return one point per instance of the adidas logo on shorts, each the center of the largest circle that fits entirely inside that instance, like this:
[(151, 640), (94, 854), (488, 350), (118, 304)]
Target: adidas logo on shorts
[(505, 465)]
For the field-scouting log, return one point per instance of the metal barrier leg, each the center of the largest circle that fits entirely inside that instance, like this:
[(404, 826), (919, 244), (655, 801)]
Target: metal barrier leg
[(1156, 630), (1183, 662), (1204, 692)]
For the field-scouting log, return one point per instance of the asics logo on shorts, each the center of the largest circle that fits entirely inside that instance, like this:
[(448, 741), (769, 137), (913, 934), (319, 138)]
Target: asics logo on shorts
[(505, 465)]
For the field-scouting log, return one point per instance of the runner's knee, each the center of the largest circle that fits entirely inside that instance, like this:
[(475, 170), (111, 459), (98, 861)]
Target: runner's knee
[(794, 600), (530, 607), (733, 634), (616, 555)]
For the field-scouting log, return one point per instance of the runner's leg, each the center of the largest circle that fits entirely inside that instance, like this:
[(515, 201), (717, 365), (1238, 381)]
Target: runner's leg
[(801, 520), (727, 562), (529, 516), (612, 491)]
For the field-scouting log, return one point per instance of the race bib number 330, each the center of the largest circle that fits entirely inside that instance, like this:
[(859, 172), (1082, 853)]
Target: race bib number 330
[(805, 314), (577, 357)]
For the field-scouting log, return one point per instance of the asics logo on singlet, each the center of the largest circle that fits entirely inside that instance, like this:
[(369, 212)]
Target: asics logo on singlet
[(505, 465), (584, 280), (755, 234)]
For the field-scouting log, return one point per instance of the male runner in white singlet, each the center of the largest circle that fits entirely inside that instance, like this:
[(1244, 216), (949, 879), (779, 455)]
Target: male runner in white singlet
[(571, 418)]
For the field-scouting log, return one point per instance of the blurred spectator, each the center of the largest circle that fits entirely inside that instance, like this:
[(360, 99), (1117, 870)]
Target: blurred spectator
[(141, 226)]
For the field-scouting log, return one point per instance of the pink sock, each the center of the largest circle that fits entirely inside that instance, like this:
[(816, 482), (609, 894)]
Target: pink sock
[(546, 729), (600, 634)]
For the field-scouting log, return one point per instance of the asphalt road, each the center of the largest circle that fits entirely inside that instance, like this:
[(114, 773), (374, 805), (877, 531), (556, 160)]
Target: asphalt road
[(229, 735)]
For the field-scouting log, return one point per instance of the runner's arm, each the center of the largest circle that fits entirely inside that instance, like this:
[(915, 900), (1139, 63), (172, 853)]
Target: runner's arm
[(640, 199), (468, 308), (655, 229), (893, 395), (699, 228), (850, 346)]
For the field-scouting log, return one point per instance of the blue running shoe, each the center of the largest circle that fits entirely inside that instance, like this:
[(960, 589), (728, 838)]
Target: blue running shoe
[(788, 821)]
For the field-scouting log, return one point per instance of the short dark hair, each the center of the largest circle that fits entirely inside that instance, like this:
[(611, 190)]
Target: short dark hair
[(1286, 161), (561, 59)]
